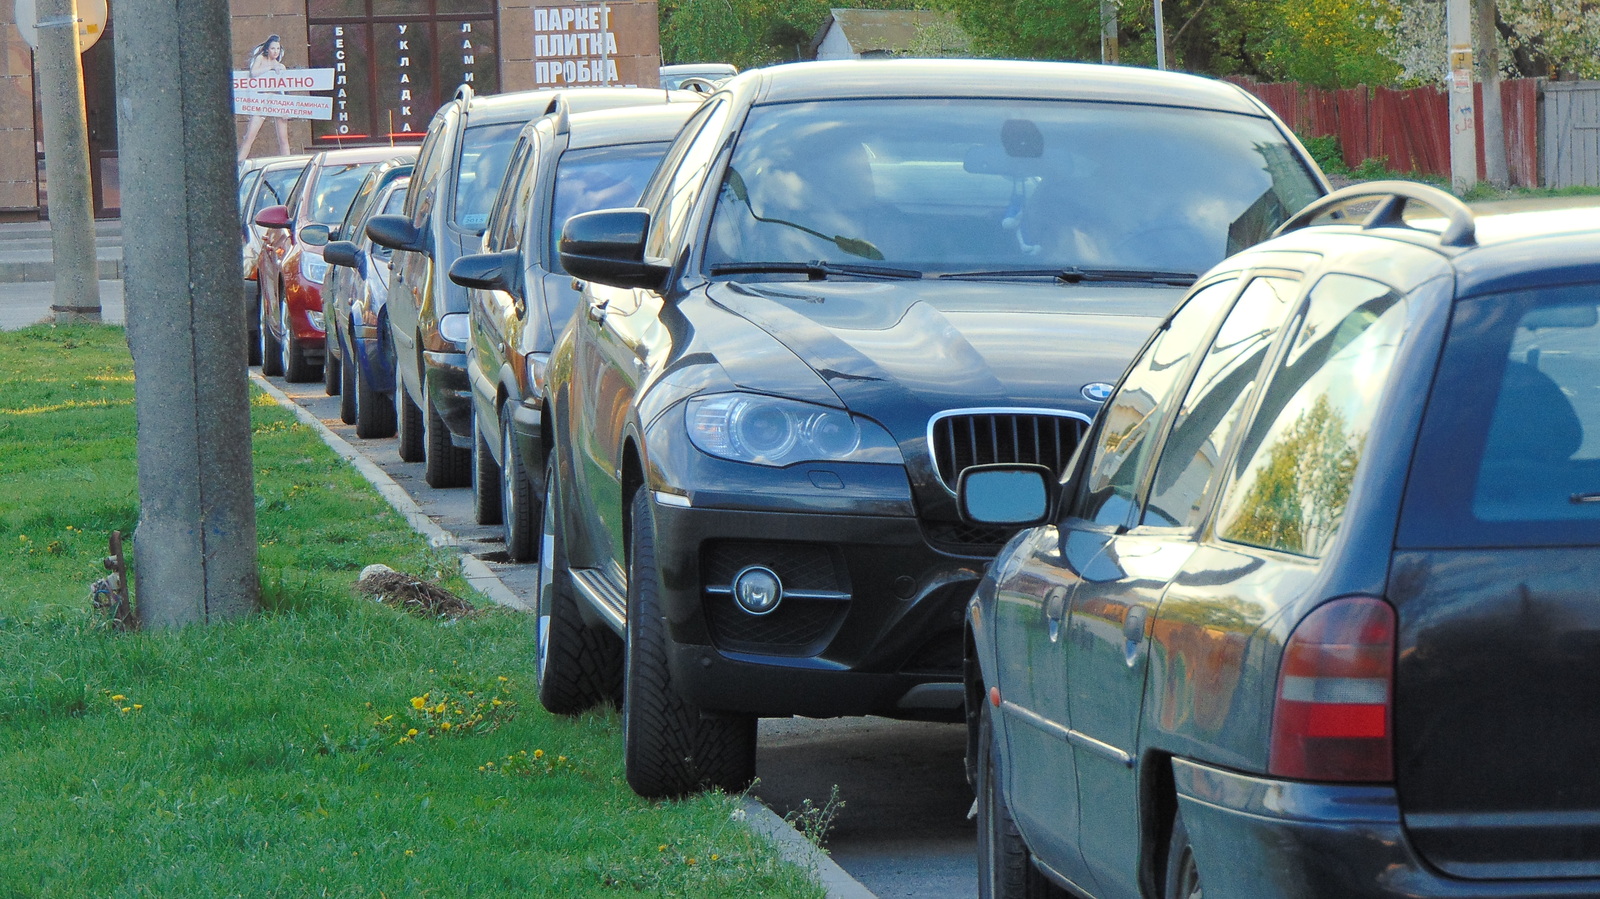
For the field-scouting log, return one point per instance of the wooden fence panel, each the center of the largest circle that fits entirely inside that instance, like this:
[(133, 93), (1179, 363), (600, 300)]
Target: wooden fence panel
[(1571, 151), (1411, 128)]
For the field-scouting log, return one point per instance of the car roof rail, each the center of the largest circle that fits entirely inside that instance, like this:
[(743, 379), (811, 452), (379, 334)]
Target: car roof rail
[(1393, 196), (464, 92), (559, 108)]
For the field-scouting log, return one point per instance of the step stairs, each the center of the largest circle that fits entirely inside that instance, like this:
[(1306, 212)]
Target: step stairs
[(25, 253)]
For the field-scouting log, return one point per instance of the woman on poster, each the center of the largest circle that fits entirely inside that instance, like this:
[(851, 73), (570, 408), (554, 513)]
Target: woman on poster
[(265, 57)]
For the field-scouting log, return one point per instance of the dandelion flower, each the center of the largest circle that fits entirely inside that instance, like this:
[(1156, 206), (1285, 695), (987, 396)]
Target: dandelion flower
[(662, 848), (137, 707), (445, 726), (118, 698), (538, 753), (412, 732), (504, 679), (417, 702), (715, 856)]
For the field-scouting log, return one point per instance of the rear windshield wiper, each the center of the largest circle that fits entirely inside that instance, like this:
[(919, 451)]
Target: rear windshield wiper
[(816, 270), (1077, 275)]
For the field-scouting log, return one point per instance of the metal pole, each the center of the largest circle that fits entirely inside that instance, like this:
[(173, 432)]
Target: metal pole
[(66, 159), (196, 540), (605, 35), (1161, 39), (1109, 52), (1463, 127)]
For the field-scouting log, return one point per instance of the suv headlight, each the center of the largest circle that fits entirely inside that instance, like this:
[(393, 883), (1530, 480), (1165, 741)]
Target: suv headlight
[(313, 267), (765, 430)]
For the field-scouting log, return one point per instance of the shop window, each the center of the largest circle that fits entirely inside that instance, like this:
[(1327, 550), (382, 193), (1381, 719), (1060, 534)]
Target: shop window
[(396, 61)]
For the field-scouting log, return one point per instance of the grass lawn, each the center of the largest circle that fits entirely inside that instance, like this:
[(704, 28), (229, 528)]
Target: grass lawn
[(329, 746)]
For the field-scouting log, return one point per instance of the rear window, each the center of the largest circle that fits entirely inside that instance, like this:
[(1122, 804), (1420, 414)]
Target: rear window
[(335, 189), (599, 178), (485, 151), (1509, 453)]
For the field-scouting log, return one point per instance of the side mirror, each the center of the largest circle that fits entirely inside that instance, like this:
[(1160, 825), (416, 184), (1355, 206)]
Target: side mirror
[(1006, 494), (397, 233), (273, 217), (607, 247), (488, 271), (342, 252), (314, 234)]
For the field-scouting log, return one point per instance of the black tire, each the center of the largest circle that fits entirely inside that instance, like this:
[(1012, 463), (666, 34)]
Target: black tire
[(252, 315), (332, 376), (485, 479), (578, 665), (518, 511), (374, 411), (668, 747), (271, 350), (1005, 867), (1182, 880), (445, 464), (296, 368), (408, 423), (347, 388)]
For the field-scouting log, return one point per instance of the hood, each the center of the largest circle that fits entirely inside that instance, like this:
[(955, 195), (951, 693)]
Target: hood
[(898, 352)]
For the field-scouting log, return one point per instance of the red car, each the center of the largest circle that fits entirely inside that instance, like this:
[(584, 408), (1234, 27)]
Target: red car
[(290, 268)]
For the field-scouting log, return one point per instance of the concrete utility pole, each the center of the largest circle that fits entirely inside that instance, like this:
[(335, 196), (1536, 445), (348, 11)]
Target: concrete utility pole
[(1494, 127), (1463, 128), (1110, 53), (196, 541), (66, 160)]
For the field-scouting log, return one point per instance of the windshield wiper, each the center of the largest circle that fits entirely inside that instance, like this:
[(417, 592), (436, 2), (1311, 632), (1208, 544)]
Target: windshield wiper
[(1076, 275), (816, 270)]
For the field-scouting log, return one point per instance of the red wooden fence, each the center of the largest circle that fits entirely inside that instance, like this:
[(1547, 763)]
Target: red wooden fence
[(1409, 128)]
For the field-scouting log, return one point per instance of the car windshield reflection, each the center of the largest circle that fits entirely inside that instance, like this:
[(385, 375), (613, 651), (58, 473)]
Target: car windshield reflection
[(957, 186)]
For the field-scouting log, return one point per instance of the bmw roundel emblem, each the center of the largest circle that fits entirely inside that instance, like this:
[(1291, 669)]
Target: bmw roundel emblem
[(1099, 391)]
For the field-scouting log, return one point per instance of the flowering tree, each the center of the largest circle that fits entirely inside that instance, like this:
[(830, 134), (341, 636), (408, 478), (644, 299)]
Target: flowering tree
[(1552, 37)]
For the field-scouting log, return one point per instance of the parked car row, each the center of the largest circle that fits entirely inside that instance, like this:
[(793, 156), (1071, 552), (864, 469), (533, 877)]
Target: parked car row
[(955, 391)]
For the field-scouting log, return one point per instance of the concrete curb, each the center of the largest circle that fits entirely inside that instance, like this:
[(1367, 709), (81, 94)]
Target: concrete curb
[(792, 847), (479, 575), (800, 851)]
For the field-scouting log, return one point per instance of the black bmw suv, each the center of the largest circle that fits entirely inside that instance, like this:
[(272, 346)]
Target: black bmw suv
[(845, 284)]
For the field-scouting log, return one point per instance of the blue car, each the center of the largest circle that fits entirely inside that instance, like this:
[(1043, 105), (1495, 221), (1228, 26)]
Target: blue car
[(366, 352), (1312, 614)]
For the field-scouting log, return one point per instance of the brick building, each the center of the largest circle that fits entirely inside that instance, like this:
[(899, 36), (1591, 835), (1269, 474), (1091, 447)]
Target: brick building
[(395, 62)]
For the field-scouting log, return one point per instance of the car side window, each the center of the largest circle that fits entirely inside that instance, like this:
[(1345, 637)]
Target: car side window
[(1192, 453), (430, 160), (505, 219), (1297, 461), (669, 215), (1132, 420)]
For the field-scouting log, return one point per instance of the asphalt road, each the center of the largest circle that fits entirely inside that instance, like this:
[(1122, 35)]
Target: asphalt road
[(902, 829)]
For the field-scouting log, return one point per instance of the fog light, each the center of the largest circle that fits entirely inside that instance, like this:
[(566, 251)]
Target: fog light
[(757, 590)]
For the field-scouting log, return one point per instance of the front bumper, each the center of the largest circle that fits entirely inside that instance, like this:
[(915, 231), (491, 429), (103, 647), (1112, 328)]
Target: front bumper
[(1259, 837), (870, 624)]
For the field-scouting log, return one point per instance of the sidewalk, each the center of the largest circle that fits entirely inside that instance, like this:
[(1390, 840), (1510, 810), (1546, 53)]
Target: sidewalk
[(24, 303)]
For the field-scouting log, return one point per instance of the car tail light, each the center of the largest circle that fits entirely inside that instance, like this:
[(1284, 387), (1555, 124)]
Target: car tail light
[(1332, 720)]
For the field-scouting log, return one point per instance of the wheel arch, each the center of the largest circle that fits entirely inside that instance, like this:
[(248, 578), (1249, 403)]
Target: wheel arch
[(1158, 806)]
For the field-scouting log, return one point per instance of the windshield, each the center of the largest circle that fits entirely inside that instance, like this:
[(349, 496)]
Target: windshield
[(335, 188), (959, 185), (485, 150), (599, 178), (277, 185)]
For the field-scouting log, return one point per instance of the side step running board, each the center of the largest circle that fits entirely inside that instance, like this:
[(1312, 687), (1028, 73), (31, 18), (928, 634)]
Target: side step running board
[(607, 599)]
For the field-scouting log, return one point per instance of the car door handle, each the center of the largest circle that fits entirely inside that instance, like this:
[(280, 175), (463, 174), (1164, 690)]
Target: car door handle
[(1055, 606), (1133, 625)]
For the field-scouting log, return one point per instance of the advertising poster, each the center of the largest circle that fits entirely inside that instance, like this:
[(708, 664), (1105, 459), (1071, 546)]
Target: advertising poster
[(613, 44), (267, 88)]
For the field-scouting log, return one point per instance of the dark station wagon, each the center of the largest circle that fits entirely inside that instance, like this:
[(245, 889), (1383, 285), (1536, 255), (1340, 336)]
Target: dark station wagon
[(1313, 614)]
